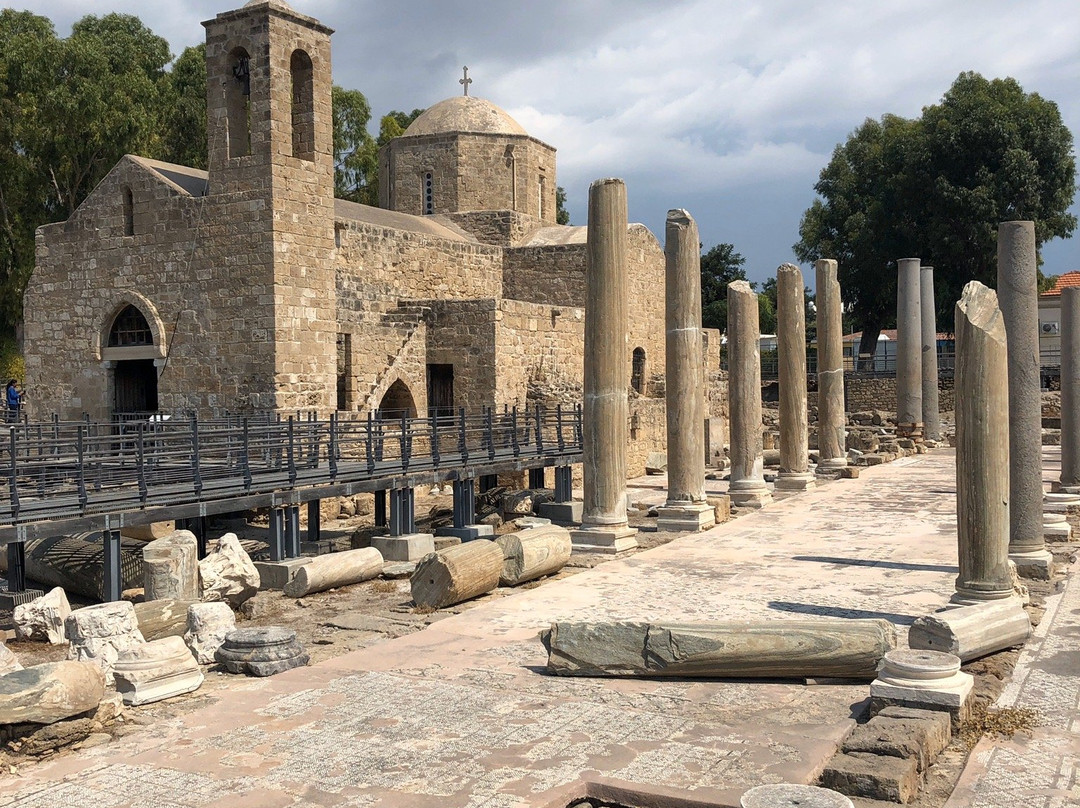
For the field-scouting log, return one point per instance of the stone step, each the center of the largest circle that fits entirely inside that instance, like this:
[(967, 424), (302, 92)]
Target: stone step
[(902, 732), (878, 777)]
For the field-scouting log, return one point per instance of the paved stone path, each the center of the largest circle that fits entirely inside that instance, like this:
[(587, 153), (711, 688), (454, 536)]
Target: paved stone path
[(461, 714)]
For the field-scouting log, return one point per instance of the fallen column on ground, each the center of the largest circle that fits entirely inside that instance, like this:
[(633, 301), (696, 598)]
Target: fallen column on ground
[(75, 563), (457, 573), (1018, 296), (982, 448), (970, 632), (533, 553), (686, 508), (777, 649), (335, 569)]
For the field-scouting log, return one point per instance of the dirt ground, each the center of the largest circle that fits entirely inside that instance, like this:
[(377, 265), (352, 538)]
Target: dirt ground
[(342, 620)]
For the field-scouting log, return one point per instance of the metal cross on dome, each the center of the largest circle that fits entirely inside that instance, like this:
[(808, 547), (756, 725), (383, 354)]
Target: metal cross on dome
[(466, 81)]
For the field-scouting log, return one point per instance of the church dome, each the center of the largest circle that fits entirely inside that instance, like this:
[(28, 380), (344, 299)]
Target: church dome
[(464, 113)]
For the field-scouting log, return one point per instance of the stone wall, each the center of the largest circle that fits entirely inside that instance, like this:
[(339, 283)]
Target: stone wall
[(869, 392), (500, 227), (538, 348), (553, 274)]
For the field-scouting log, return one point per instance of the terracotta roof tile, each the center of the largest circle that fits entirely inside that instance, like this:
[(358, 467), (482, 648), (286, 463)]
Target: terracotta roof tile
[(1068, 279)]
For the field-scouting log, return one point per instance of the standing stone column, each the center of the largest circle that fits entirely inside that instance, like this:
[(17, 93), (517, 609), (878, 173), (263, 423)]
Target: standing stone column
[(1070, 390), (982, 448), (791, 344), (686, 508), (928, 313), (909, 405), (1019, 297), (832, 418), (604, 528), (747, 487)]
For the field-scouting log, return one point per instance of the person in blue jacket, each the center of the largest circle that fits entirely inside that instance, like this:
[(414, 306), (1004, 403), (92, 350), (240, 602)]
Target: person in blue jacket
[(13, 399)]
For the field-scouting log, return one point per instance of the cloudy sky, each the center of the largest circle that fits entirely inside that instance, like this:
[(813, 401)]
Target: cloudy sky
[(729, 109)]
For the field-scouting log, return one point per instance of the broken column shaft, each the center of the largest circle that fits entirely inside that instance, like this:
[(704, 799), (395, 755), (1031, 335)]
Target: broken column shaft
[(686, 508), (928, 316), (791, 344), (982, 448), (604, 526)]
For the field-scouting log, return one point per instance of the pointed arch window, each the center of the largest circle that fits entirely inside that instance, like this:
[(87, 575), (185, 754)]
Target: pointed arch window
[(130, 329), (303, 106)]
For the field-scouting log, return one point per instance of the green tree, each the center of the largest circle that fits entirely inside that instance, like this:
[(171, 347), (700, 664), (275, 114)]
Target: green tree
[(355, 153), (720, 265), (562, 215), (183, 138), (937, 187)]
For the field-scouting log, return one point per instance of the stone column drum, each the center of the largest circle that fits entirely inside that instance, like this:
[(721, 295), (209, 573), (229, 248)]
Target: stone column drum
[(791, 343), (982, 448), (747, 487), (1070, 390), (686, 508), (909, 405), (1018, 296), (832, 418), (605, 410), (928, 313)]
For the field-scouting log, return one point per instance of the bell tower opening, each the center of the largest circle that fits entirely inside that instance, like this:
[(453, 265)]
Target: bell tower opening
[(238, 103), (303, 106)]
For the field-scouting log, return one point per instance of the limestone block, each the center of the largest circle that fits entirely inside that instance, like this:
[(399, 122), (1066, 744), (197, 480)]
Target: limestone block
[(8, 661), (656, 463), (336, 569), (790, 795), (722, 507), (970, 632), (207, 626), (228, 573), (45, 694), (171, 567), (43, 618), (921, 735), (101, 633), (156, 670), (150, 532), (56, 736), (276, 574), (261, 651), (162, 618), (410, 547), (872, 777)]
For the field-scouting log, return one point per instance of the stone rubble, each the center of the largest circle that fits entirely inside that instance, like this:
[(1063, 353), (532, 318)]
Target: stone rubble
[(228, 573), (155, 671), (102, 632), (45, 694), (207, 626), (43, 618)]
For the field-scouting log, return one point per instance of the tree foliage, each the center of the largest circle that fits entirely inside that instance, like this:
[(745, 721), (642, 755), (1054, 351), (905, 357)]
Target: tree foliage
[(937, 187), (562, 215), (720, 266)]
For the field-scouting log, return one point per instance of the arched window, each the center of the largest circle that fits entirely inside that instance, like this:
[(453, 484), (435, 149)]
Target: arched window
[(129, 212), (238, 103), (637, 374), (303, 106), (130, 329)]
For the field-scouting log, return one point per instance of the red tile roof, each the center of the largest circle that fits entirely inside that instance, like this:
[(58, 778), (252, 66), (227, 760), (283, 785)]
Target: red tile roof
[(1068, 279)]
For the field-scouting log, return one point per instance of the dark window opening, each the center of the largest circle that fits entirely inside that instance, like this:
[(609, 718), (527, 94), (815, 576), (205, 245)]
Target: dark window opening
[(135, 386), (303, 106), (344, 371), (637, 375), (130, 329), (129, 213), (238, 104), (440, 387)]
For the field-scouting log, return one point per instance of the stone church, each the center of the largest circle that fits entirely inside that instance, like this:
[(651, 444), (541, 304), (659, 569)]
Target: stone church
[(250, 287)]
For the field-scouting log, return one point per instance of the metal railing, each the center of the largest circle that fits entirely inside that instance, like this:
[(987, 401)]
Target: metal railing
[(65, 469)]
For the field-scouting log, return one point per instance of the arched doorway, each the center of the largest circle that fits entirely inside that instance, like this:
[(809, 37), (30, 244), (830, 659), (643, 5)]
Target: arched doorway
[(135, 381), (397, 402)]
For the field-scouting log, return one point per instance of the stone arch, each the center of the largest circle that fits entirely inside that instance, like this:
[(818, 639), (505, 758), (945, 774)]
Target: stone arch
[(302, 73), (397, 401), (238, 102), (149, 312), (637, 371)]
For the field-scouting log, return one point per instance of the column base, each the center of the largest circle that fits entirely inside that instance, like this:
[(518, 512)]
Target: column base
[(927, 680), (1036, 564), (466, 533), (914, 431), (562, 513), (974, 597), (686, 517), (607, 539), (410, 547), (276, 574), (753, 495), (794, 481)]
